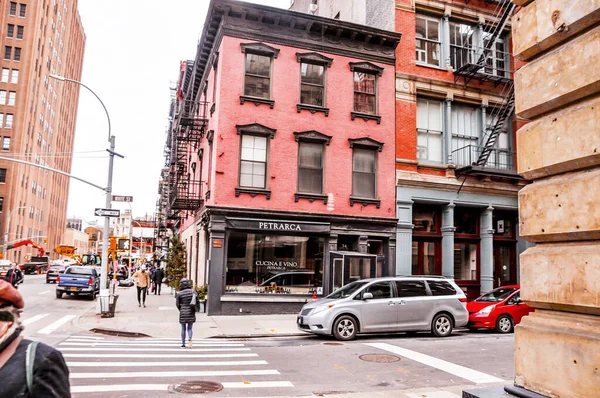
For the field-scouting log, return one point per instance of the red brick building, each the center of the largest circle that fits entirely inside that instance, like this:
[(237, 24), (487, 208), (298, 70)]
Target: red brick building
[(280, 157)]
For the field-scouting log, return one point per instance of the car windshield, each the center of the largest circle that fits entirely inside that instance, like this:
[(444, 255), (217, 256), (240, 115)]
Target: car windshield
[(496, 295), (79, 271), (348, 290)]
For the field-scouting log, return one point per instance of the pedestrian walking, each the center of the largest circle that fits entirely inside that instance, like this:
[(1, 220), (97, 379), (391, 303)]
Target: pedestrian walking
[(27, 368), (14, 276), (142, 281), (187, 303), (157, 277)]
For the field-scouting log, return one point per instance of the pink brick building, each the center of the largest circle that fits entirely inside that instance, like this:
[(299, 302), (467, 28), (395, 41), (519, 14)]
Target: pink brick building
[(280, 173)]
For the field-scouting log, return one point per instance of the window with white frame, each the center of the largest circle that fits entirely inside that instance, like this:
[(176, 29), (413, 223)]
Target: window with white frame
[(257, 81), (312, 84), (9, 121), (429, 130), (12, 98), (5, 74), (465, 133), (3, 94), (14, 78), (310, 167), (5, 142), (501, 156), (495, 62), (364, 172), (461, 45), (253, 162), (428, 40)]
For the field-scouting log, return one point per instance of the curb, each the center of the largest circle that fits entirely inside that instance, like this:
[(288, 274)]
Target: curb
[(255, 336)]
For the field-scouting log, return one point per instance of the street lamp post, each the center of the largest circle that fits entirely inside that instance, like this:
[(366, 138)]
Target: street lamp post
[(8, 228), (111, 151)]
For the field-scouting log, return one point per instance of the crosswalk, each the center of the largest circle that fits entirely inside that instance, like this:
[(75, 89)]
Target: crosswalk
[(102, 365)]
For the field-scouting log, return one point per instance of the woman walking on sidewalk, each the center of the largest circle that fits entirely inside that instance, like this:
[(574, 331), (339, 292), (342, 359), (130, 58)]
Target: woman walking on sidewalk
[(187, 303), (142, 281)]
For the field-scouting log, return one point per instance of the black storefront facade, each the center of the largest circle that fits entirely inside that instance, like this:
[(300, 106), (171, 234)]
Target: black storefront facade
[(265, 262)]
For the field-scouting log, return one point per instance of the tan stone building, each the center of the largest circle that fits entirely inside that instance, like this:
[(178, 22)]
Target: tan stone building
[(77, 239), (37, 116)]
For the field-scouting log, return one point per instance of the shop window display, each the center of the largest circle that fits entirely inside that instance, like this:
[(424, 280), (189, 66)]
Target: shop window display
[(274, 264)]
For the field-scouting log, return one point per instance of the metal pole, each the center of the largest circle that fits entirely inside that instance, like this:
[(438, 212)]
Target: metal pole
[(104, 271)]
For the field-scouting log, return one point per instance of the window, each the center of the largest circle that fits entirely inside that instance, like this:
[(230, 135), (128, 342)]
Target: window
[(465, 133), (310, 167), (312, 84), (465, 261), (501, 157), (495, 63), (428, 40), (12, 98), (253, 163), (429, 130), (14, 78), (9, 120), (20, 32), (2, 175), (466, 220), (411, 288), (17, 54), (1, 120), (461, 45), (364, 172), (427, 240), (5, 73), (13, 9), (22, 10), (365, 97), (380, 290), (3, 97), (441, 288), (7, 52), (1, 204), (257, 81), (10, 31), (6, 143)]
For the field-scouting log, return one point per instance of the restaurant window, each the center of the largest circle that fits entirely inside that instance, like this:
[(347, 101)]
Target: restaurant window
[(466, 221), (427, 240), (364, 173), (310, 167), (273, 264), (428, 40), (253, 163), (465, 261), (429, 130), (504, 224)]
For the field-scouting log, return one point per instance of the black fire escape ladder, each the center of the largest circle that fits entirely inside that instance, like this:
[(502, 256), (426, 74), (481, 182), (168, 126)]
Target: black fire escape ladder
[(500, 120), (505, 9)]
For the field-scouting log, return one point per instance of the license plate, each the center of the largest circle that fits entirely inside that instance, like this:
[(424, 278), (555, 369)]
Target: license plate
[(299, 320), (73, 288)]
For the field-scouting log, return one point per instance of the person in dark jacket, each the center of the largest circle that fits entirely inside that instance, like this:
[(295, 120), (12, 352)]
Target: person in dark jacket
[(14, 276), (50, 376), (157, 277), (187, 312)]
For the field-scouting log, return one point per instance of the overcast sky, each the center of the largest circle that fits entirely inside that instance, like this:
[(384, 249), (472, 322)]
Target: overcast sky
[(132, 54)]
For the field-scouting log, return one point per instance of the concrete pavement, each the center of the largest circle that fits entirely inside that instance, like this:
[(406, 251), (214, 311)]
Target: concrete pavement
[(160, 318)]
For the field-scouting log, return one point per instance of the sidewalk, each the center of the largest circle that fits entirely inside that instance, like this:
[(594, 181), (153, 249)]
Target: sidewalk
[(160, 318)]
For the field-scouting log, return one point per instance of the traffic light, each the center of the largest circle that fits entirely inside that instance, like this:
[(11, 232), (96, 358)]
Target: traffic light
[(45, 241)]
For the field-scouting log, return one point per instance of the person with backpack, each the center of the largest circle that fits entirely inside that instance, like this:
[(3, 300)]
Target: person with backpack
[(27, 368), (188, 304), (157, 278), (14, 276)]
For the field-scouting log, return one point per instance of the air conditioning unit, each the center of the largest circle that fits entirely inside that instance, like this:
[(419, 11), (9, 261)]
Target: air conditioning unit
[(312, 8)]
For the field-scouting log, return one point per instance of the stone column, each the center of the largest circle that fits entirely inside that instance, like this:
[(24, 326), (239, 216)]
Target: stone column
[(557, 347), (486, 253), (216, 268), (404, 237), (448, 131), (331, 243), (448, 241), (363, 244)]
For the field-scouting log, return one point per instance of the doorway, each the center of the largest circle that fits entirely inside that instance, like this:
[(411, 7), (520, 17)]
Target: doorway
[(505, 263), (348, 267)]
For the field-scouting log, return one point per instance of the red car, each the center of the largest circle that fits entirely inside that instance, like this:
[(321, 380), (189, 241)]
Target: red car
[(500, 309)]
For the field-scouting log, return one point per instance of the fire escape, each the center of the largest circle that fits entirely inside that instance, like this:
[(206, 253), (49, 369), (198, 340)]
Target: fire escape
[(489, 64), (185, 188)]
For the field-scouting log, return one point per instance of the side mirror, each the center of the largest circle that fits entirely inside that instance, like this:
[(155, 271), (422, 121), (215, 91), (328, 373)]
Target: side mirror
[(367, 296)]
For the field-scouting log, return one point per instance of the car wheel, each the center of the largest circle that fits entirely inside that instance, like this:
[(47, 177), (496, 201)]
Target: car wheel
[(93, 295), (504, 324), (47, 281), (441, 325), (345, 328), (58, 295)]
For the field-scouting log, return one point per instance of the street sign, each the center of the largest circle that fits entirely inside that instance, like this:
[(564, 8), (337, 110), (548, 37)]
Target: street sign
[(107, 212), (118, 198)]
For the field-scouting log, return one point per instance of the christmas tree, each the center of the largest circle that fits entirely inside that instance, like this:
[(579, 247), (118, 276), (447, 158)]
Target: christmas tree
[(176, 264)]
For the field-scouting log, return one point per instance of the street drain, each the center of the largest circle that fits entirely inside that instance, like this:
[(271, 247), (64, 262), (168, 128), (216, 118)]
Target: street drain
[(196, 387), (379, 358), (333, 343)]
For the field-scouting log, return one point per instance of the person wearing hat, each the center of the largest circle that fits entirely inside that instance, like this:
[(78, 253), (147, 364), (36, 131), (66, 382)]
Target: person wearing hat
[(187, 303), (27, 369), (142, 281)]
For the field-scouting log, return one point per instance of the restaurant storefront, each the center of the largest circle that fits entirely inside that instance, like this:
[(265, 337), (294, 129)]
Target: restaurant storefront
[(275, 262)]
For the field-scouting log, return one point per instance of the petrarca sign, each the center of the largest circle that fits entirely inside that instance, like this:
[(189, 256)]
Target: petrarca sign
[(276, 225)]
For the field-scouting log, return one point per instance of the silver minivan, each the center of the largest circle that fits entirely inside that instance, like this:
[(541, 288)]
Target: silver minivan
[(392, 304)]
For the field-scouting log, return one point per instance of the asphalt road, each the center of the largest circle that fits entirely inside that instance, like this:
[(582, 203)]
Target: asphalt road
[(106, 366)]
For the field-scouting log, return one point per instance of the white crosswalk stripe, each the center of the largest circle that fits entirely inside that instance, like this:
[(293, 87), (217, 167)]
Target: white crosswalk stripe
[(102, 365), (56, 325)]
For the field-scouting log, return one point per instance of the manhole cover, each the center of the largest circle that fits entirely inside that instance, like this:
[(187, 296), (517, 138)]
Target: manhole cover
[(379, 358), (196, 387), (333, 343)]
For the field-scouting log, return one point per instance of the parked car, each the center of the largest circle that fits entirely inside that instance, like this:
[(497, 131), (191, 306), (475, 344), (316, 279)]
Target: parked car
[(54, 271), (77, 281), (4, 267), (393, 304), (501, 309)]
